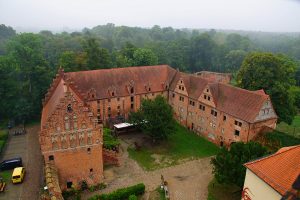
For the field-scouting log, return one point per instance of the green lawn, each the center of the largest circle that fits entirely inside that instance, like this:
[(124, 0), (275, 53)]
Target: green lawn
[(217, 191), (293, 129), (183, 144), (6, 175)]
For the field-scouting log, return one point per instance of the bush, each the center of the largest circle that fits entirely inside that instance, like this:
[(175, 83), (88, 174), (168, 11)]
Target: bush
[(121, 194), (132, 197), (109, 141), (83, 185)]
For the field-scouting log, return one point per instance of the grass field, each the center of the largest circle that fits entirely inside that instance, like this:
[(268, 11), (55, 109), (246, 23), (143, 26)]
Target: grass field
[(183, 144), (293, 129)]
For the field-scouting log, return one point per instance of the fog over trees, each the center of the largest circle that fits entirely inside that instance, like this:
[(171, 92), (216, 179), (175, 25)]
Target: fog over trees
[(29, 61)]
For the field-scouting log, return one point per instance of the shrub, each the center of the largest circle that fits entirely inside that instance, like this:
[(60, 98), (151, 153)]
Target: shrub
[(132, 197), (109, 141), (83, 185), (121, 194)]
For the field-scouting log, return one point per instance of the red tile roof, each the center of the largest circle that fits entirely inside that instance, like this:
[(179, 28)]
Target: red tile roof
[(279, 170), (119, 78), (240, 103)]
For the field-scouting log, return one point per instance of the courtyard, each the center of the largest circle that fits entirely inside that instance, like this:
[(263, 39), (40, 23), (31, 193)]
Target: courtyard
[(183, 160)]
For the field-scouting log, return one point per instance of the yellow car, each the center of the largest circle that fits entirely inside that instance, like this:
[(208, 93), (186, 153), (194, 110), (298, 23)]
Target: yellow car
[(18, 175)]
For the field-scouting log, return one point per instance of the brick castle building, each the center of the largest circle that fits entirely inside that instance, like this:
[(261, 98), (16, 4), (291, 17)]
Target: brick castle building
[(78, 103)]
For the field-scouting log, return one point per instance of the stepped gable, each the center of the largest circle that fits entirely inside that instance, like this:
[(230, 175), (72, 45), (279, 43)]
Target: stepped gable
[(55, 93), (194, 84), (240, 103), (157, 78), (279, 170)]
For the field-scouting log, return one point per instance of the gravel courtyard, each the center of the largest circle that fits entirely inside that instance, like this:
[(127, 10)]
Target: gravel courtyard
[(188, 180)]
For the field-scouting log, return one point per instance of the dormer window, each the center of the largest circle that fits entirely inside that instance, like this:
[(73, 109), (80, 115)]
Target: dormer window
[(131, 90), (112, 94), (149, 89), (207, 90)]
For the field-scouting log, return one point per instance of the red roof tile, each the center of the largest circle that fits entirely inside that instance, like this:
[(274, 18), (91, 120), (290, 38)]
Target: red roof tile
[(279, 170), (240, 103)]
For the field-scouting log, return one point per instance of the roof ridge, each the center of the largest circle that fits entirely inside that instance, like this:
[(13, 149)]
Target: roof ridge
[(245, 90), (272, 155), (117, 68)]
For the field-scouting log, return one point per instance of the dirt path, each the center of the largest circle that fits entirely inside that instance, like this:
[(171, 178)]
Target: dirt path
[(186, 181)]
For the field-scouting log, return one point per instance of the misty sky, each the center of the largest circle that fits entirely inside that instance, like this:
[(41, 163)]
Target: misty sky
[(256, 15)]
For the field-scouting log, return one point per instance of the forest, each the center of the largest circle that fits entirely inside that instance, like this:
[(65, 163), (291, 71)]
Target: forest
[(29, 61)]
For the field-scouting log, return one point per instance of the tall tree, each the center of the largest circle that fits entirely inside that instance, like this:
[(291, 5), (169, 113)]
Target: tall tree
[(144, 57), (273, 73), (97, 58), (26, 53), (155, 118), (228, 164), (201, 52)]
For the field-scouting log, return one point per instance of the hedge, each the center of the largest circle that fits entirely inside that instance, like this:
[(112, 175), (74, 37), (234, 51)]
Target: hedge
[(132, 197), (121, 194)]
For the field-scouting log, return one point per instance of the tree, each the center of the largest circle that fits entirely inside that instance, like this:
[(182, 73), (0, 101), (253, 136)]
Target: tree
[(155, 118), (31, 72), (228, 164), (97, 58), (144, 57), (276, 75), (201, 52), (67, 61), (234, 60)]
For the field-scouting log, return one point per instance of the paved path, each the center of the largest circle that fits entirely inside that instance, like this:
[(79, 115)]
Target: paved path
[(26, 146), (186, 181)]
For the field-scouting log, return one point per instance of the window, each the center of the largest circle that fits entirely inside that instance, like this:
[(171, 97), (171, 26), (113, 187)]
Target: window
[(202, 107), (237, 123), (118, 99), (99, 119), (237, 132), (204, 96), (182, 88), (181, 98), (69, 184), (179, 87), (152, 94), (131, 99), (118, 107), (192, 103), (109, 109), (131, 90), (173, 95), (131, 106), (112, 94), (149, 89), (214, 113), (98, 101), (108, 100), (208, 98), (109, 115), (91, 170), (89, 149), (224, 118), (207, 90), (69, 108), (51, 157), (98, 110)]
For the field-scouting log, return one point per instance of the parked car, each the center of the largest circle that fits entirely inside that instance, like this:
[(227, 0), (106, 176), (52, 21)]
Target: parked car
[(11, 163), (18, 175)]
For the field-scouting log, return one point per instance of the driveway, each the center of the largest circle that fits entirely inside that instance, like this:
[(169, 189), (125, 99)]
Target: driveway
[(26, 146)]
